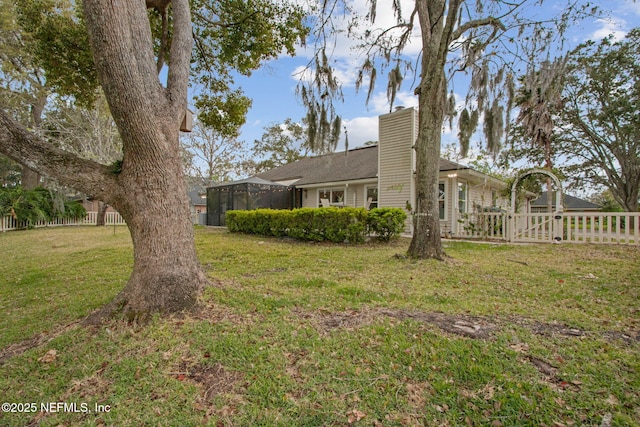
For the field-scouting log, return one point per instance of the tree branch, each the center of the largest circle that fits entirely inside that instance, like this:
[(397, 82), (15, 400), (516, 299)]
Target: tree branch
[(180, 59), (37, 154), (221, 24), (477, 23), (157, 4), (123, 53)]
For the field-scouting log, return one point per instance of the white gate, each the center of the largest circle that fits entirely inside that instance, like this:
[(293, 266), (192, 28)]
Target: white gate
[(536, 227), (576, 227), (542, 227)]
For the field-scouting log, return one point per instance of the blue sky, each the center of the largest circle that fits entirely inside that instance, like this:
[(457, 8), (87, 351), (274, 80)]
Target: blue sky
[(272, 87)]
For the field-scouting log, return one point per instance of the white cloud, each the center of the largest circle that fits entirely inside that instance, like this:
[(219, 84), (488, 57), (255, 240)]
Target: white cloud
[(361, 130), (609, 27), (380, 102)]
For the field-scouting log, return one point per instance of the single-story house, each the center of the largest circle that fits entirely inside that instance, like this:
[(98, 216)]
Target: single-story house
[(382, 175), (570, 204)]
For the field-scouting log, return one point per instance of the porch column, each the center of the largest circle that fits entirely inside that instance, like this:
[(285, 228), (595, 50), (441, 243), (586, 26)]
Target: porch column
[(453, 201), (346, 194)]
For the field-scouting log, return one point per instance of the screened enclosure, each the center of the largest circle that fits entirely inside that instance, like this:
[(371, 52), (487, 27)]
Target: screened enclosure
[(248, 194)]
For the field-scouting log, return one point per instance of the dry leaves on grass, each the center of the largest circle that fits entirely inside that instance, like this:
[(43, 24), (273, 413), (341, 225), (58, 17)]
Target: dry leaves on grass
[(49, 357), (520, 347), (354, 416), (417, 394)]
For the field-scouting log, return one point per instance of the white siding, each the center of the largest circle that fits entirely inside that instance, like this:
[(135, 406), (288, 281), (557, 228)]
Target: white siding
[(396, 133), (354, 195), (479, 196)]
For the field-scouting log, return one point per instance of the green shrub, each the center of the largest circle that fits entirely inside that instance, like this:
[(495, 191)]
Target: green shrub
[(386, 223), (266, 222), (36, 205), (328, 224), (335, 225)]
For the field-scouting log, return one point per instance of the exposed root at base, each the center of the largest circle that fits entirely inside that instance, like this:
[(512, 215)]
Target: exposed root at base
[(19, 348)]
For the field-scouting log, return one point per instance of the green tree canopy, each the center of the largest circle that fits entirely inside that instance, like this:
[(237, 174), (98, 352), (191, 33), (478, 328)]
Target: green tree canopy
[(595, 137), (599, 125), (55, 36), (281, 143), (230, 36)]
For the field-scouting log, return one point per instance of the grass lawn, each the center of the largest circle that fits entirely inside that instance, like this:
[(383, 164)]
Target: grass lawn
[(300, 334)]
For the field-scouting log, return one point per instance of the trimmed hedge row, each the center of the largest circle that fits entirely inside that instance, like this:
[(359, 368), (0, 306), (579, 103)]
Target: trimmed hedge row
[(320, 224)]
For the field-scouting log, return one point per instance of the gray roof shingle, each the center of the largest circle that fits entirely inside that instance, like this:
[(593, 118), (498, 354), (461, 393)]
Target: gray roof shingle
[(569, 202), (359, 163)]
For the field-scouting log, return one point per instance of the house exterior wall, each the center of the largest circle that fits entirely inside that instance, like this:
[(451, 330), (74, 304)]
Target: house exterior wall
[(482, 196), (355, 193), (397, 133), (479, 195)]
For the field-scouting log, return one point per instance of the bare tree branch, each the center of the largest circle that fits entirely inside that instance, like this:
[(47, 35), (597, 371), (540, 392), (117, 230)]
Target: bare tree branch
[(477, 23), (37, 154)]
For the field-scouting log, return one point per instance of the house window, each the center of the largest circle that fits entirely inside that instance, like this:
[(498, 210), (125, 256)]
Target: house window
[(462, 197), (333, 195), (441, 198), (372, 193)]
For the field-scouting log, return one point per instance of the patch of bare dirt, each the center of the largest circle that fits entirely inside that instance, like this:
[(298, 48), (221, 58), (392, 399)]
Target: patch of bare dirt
[(89, 387), (556, 329), (477, 327), (215, 313), (294, 361), (19, 348), (469, 326), (418, 394), (213, 379)]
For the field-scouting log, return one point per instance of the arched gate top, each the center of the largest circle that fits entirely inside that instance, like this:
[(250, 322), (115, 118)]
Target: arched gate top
[(559, 207)]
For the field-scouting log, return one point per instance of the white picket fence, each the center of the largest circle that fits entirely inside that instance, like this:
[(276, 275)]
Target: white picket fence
[(574, 227), (483, 225), (8, 222)]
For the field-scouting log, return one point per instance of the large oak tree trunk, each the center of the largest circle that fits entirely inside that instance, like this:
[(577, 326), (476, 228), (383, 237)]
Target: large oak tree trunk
[(148, 189), (167, 276), (426, 242)]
